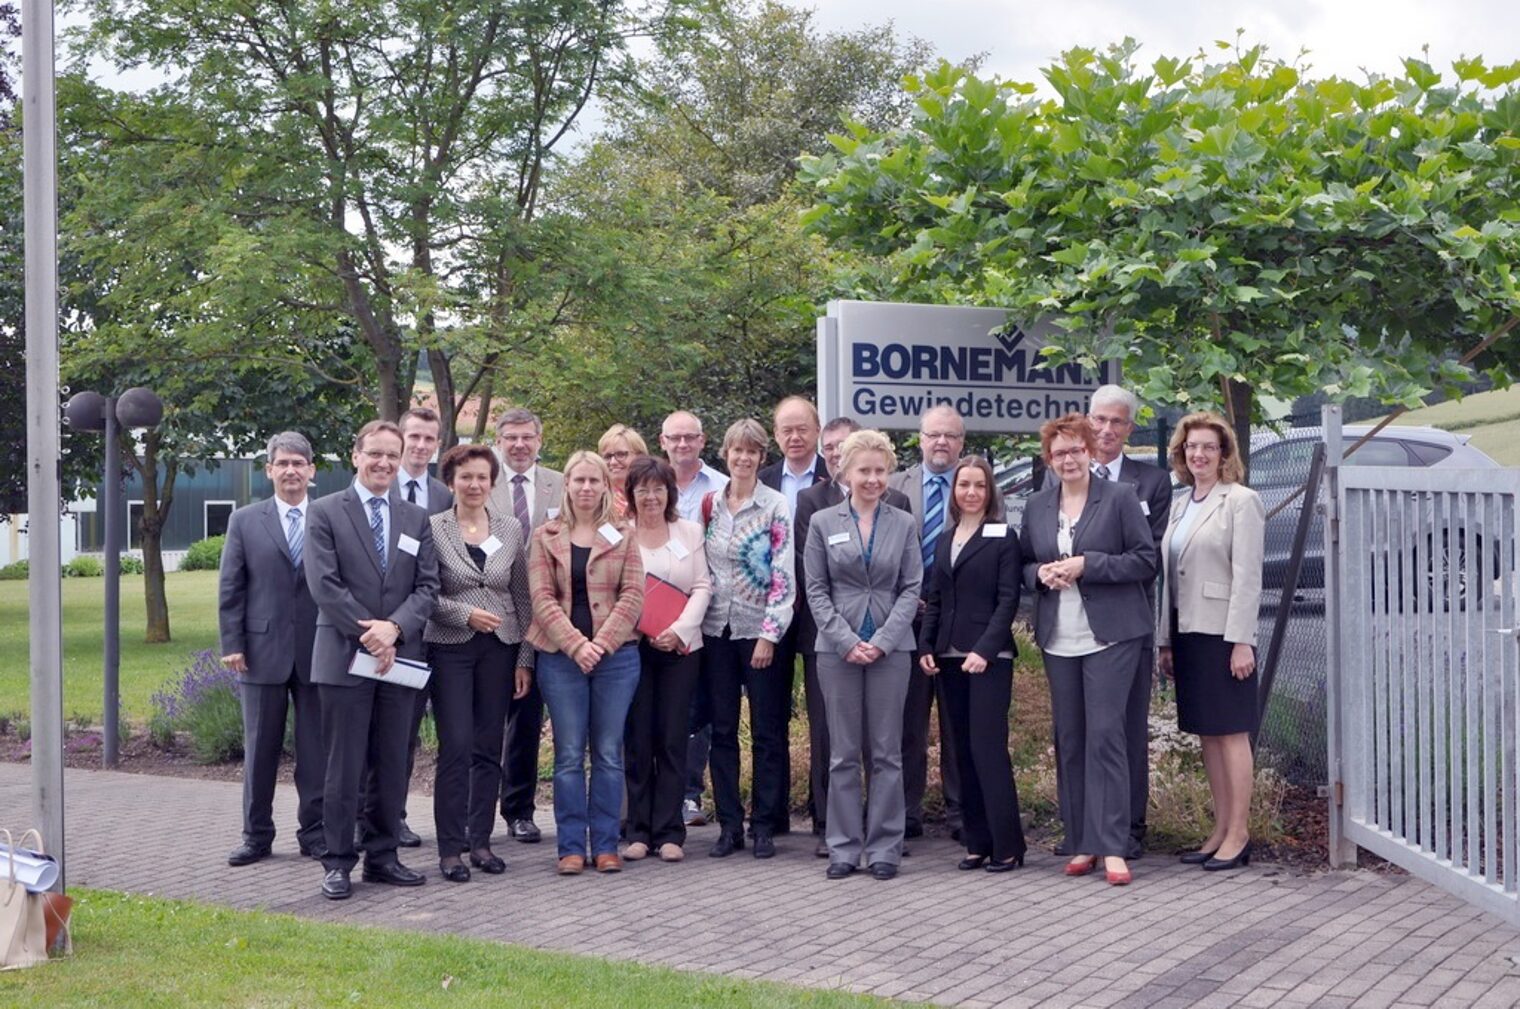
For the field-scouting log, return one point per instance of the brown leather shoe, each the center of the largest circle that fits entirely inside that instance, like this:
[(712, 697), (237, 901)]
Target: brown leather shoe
[(609, 863), (572, 865)]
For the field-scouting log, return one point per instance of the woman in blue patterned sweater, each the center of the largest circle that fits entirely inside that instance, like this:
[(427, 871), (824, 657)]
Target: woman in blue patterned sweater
[(750, 557)]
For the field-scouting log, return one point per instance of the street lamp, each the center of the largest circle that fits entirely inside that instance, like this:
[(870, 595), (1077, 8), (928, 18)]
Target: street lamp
[(90, 411)]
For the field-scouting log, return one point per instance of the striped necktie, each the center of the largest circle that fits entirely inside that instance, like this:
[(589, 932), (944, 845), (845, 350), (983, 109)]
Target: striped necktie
[(934, 517), (1103, 471), (377, 527), (520, 503), (295, 536)]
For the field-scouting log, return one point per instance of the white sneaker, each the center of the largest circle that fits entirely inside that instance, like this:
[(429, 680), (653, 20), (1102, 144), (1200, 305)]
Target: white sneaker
[(636, 851), (693, 814), (671, 852)]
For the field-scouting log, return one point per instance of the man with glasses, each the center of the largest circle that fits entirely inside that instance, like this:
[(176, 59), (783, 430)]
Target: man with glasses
[(941, 438), (682, 439), (530, 493), (1111, 414)]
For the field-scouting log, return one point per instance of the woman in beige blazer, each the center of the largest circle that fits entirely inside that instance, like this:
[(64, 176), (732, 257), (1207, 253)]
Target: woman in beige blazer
[(654, 743), (1207, 635)]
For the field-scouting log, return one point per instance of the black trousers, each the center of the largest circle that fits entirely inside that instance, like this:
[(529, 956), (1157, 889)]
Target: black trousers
[(978, 707), (264, 709), (654, 745), (364, 725), (924, 691), (471, 690), (413, 738), (727, 670), (1137, 734), (818, 743), (519, 761)]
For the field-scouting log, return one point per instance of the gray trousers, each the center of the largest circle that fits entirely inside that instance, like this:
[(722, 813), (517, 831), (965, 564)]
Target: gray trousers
[(264, 708), (1089, 699), (865, 716)]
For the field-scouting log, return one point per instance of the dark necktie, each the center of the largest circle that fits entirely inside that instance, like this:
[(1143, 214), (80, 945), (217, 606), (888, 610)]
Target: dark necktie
[(520, 503), (411, 491), (934, 517), (295, 536), (377, 527), (1103, 471)]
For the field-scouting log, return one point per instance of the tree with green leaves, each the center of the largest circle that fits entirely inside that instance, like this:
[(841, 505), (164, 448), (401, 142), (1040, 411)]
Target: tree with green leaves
[(1225, 225), (12, 292)]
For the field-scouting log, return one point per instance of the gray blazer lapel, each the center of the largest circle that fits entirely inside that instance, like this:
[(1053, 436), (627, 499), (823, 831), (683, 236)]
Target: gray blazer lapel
[(1097, 494), (358, 514), (270, 520)]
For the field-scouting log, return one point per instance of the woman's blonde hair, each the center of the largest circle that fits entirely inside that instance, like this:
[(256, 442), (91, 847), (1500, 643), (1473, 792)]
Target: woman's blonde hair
[(604, 513), (1230, 468), (866, 440), (626, 434), (745, 432)]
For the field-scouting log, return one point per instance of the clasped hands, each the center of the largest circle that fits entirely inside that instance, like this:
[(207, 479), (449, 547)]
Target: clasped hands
[(971, 663), (863, 654), (379, 639), (1062, 574)]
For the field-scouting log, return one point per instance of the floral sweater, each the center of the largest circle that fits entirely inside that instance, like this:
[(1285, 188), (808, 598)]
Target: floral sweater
[(751, 558)]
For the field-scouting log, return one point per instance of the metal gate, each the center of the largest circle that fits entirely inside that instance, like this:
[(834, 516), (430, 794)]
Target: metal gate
[(1422, 685)]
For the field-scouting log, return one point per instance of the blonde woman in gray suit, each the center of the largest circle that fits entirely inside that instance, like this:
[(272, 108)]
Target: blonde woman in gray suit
[(864, 572), (1207, 637), (475, 644)]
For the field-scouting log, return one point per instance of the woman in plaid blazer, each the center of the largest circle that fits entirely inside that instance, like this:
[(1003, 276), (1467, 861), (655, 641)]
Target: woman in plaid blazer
[(586, 580), (474, 642)]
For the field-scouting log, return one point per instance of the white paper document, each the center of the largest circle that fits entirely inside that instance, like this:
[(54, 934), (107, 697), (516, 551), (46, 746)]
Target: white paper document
[(34, 870), (403, 672)]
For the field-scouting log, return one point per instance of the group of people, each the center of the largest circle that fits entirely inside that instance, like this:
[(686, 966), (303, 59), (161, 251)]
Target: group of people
[(639, 598)]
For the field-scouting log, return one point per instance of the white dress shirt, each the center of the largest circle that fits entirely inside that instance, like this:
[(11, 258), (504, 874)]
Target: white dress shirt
[(385, 513), (689, 504), (1113, 467), (792, 485), (422, 488)]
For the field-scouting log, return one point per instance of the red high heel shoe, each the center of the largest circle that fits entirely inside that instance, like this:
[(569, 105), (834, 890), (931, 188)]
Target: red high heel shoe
[(1120, 878), (1075, 868)]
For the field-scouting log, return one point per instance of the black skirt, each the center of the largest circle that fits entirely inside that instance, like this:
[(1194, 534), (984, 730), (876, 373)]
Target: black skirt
[(1210, 701)]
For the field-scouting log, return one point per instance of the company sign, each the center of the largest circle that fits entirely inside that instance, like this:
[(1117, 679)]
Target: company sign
[(884, 364)]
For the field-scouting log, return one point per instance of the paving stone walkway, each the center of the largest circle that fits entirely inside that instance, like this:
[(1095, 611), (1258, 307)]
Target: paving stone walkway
[(1176, 937)]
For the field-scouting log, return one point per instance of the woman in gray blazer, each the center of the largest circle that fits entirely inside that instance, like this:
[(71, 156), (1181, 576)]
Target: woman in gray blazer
[(474, 644), (1088, 554), (1207, 635), (864, 572)]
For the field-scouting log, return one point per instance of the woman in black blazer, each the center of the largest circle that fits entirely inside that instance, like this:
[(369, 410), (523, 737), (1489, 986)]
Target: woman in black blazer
[(967, 636), (1089, 553)]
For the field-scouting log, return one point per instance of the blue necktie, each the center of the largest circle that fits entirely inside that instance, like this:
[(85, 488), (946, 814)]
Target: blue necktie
[(934, 517), (377, 527), (295, 536)]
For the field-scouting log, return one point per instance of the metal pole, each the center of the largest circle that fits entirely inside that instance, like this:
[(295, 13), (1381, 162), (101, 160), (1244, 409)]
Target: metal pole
[(1342, 851), (44, 551), (111, 663)]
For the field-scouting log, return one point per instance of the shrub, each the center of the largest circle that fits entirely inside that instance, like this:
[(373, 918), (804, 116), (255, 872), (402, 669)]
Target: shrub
[(131, 565), (203, 555), (14, 572), (203, 703), (84, 566)]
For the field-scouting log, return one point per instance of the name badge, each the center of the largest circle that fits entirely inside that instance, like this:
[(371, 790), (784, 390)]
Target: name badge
[(551, 513), (677, 550), (1145, 506), (407, 545), (610, 534), (490, 545), (995, 530), (838, 538)]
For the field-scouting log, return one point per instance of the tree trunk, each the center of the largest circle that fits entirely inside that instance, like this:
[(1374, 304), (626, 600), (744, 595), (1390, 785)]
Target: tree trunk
[(157, 500), (1238, 403), (153, 583)]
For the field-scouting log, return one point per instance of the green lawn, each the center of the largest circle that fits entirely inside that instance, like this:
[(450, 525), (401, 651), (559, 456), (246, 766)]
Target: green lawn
[(144, 667), (1492, 418), (142, 951)]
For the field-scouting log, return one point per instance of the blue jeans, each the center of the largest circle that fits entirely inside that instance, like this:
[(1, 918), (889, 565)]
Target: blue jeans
[(588, 709)]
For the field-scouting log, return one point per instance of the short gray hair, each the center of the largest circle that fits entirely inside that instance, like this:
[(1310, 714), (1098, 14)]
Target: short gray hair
[(519, 415), (747, 431), (1116, 395), (289, 441)]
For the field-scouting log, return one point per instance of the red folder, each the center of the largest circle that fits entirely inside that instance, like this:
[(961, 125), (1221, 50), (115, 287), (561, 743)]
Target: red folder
[(663, 604)]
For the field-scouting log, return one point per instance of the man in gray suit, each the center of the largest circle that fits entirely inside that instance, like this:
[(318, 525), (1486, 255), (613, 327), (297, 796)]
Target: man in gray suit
[(267, 622), (1111, 414), (941, 439), (373, 575), (420, 427), (532, 493)]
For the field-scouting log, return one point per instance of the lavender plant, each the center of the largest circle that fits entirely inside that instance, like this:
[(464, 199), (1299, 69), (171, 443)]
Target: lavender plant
[(203, 703)]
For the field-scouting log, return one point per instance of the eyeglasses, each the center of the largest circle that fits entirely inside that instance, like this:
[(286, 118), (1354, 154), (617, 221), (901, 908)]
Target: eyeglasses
[(1067, 453), (942, 435), (290, 464), (1100, 420), (375, 455), (649, 490), (617, 456), (1206, 447), (681, 439)]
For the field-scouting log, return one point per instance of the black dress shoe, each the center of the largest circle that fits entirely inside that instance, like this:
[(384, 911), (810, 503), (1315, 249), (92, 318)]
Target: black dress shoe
[(491, 863), (726, 845), (335, 885), (1007, 865), (455, 872), (971, 862), (394, 874), (913, 830), (406, 837), (883, 870), (247, 854), (822, 851), (839, 870), (1242, 858), (765, 845), (524, 830), (1198, 857)]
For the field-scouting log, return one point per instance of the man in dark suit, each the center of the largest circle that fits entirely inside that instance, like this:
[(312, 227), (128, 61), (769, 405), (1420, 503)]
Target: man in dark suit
[(373, 575), (811, 501), (941, 440), (267, 622), (420, 427), (1111, 413)]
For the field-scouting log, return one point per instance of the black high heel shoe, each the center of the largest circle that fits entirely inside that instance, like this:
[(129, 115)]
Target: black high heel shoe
[(455, 872), (1008, 865), (1243, 858), (1196, 857), (971, 862), (490, 862)]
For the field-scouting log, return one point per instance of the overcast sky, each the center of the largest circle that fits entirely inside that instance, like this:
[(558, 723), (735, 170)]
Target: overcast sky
[(1343, 36)]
